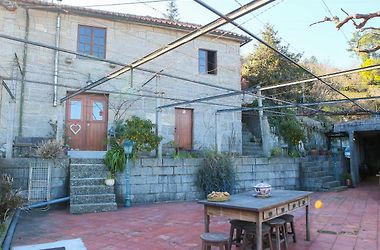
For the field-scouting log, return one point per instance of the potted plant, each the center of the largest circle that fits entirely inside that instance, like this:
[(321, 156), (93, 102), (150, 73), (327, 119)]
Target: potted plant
[(115, 162), (347, 179), (313, 151)]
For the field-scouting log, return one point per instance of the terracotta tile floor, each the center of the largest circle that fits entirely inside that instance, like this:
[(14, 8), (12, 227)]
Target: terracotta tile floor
[(347, 220)]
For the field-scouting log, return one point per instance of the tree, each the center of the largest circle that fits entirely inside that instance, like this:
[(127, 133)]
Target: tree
[(367, 39), (265, 67), (172, 11)]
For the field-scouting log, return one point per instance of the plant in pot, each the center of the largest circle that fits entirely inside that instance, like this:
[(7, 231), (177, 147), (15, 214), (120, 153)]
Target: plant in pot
[(115, 162), (347, 179)]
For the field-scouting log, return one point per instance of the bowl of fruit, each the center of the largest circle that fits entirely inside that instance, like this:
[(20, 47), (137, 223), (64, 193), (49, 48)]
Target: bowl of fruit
[(218, 196)]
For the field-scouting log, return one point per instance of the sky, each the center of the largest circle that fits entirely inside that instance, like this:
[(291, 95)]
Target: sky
[(291, 18)]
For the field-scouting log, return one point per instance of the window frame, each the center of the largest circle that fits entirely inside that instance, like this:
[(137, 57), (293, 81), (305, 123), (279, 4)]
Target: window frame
[(208, 72), (92, 28)]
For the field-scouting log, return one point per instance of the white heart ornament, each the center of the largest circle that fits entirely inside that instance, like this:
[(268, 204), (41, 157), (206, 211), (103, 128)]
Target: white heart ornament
[(75, 128)]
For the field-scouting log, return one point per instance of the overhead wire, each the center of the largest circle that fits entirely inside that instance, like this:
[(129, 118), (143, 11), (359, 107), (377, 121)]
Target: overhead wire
[(280, 53)]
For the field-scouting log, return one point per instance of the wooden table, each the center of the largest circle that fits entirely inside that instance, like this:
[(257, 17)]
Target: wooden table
[(246, 206)]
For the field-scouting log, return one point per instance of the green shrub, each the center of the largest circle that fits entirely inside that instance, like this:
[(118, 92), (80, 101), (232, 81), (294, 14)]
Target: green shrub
[(215, 173), (276, 152), (115, 159), (291, 131), (142, 133), (10, 199)]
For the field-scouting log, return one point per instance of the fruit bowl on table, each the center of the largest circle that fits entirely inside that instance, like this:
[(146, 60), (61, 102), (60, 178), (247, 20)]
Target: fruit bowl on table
[(218, 196)]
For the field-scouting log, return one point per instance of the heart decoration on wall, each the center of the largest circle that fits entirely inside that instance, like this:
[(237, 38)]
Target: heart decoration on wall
[(75, 128)]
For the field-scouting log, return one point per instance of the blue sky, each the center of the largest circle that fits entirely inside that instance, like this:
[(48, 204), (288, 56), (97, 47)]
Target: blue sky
[(291, 18)]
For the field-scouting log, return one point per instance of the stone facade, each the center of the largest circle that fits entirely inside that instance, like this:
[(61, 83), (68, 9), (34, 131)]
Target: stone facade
[(126, 41)]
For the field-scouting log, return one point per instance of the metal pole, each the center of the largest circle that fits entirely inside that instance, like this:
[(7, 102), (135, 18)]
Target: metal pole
[(127, 184)]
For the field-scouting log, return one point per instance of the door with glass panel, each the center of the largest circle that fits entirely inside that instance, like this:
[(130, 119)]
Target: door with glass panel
[(86, 122)]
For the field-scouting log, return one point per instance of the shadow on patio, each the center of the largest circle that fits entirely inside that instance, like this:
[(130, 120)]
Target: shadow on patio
[(347, 220)]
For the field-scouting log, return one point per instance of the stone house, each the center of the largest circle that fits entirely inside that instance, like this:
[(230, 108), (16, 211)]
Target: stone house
[(39, 76)]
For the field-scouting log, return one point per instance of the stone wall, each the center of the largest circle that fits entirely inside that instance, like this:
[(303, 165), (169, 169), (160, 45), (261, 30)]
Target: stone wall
[(154, 180), (126, 42), (18, 169)]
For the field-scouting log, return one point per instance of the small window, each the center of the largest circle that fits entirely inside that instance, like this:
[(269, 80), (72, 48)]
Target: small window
[(97, 111), (75, 110), (207, 62), (92, 41)]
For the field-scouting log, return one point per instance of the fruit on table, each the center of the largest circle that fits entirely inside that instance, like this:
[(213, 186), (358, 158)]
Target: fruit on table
[(214, 195)]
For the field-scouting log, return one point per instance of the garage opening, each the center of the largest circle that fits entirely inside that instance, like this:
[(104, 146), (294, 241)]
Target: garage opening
[(370, 152)]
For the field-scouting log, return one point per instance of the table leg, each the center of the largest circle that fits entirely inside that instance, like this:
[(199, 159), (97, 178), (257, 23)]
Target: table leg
[(307, 223), (206, 220), (259, 233)]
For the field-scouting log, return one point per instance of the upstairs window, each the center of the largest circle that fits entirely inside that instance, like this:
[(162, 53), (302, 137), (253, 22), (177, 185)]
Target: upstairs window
[(207, 62), (92, 41)]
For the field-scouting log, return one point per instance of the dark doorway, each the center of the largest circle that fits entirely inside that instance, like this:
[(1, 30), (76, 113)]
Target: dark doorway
[(370, 142)]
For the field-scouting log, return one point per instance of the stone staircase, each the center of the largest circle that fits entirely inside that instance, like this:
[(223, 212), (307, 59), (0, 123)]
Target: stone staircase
[(88, 193), (250, 148), (317, 175)]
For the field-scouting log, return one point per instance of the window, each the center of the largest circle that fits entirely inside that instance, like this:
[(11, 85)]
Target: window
[(75, 110), (92, 41), (97, 111), (207, 62)]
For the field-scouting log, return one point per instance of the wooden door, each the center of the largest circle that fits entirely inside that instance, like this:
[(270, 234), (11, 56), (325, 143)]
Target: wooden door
[(86, 122), (183, 132)]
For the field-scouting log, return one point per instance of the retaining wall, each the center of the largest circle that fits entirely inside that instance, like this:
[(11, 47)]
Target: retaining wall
[(154, 180), (18, 169)]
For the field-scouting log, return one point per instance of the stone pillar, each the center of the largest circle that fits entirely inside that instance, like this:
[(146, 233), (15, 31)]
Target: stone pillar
[(354, 158), (264, 127)]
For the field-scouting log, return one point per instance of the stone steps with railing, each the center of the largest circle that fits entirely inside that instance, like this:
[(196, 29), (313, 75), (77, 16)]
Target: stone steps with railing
[(88, 193)]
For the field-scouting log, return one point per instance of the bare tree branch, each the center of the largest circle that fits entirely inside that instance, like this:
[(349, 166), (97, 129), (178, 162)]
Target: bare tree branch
[(370, 50), (369, 28), (339, 24), (365, 18)]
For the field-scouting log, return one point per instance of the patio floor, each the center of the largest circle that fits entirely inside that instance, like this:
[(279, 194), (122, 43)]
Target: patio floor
[(347, 220)]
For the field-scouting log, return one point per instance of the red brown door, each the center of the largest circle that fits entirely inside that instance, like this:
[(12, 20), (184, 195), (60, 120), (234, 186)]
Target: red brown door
[(183, 132), (86, 122)]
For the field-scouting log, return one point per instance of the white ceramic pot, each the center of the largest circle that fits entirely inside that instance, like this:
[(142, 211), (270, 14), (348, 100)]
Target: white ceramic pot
[(109, 182), (263, 189)]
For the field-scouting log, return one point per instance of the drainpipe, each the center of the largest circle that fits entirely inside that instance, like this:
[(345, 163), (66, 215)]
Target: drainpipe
[(24, 61), (56, 58)]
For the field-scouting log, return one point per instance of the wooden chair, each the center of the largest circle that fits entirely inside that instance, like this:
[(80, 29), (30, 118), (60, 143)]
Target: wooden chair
[(250, 233), (236, 231), (277, 226), (289, 219), (220, 240)]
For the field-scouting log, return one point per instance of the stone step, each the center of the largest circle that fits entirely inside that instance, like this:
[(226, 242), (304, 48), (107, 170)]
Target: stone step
[(87, 181), (338, 189), (316, 174), (92, 208), (92, 174), (331, 184), (86, 161), (328, 178), (88, 190), (75, 167), (92, 199)]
